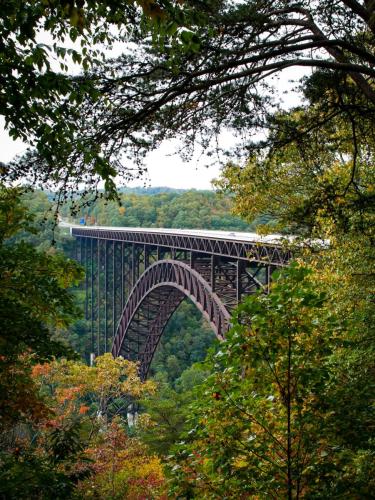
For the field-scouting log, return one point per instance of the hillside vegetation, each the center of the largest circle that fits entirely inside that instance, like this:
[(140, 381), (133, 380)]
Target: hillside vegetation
[(171, 209)]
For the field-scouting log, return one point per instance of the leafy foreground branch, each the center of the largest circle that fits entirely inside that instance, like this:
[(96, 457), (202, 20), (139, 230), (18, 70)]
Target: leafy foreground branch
[(224, 78), (40, 41), (287, 411)]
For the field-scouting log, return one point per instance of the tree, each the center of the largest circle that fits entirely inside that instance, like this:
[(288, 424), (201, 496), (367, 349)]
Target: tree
[(163, 419), (322, 178), (223, 78), (124, 468), (39, 97), (77, 447), (34, 300), (104, 390), (165, 414), (95, 399), (268, 422), (53, 471), (34, 292)]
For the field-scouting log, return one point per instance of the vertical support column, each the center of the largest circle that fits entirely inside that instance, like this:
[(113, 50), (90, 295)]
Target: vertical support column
[(239, 267), (127, 272), (105, 295), (191, 263), (118, 280), (113, 290), (92, 293), (213, 273), (109, 288), (146, 256), (122, 278), (133, 265), (87, 241), (81, 243), (98, 245)]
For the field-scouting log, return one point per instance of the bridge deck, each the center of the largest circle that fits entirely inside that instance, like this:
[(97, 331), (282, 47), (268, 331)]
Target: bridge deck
[(240, 245)]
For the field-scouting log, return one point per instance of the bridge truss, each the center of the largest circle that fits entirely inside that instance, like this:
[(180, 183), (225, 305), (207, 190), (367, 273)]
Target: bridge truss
[(136, 279)]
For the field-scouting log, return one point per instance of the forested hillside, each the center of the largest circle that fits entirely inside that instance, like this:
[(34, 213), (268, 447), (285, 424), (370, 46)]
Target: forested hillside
[(173, 209)]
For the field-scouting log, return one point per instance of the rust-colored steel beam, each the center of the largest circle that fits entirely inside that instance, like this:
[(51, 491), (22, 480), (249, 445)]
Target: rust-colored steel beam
[(154, 298)]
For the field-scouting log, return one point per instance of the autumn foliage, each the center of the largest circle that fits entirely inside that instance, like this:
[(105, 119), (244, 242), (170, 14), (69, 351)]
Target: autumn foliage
[(80, 436)]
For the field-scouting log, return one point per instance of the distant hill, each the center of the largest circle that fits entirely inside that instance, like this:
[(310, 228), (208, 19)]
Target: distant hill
[(165, 207), (151, 190)]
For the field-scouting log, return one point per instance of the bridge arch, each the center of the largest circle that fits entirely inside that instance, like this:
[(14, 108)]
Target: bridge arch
[(154, 298)]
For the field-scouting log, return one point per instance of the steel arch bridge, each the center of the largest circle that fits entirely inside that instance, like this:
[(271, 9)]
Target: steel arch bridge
[(136, 278)]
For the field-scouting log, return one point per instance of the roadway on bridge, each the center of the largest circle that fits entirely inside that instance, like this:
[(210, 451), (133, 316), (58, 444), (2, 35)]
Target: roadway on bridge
[(270, 239)]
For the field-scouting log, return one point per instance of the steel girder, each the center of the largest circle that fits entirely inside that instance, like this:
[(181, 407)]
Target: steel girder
[(133, 287), (148, 323), (154, 298), (269, 254)]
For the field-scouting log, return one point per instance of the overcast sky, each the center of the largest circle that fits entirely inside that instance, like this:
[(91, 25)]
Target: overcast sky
[(164, 167)]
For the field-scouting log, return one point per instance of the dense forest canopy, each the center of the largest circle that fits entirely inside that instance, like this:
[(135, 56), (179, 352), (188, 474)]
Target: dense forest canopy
[(169, 209)]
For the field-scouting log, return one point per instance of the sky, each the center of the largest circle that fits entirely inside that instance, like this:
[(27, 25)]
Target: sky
[(164, 167)]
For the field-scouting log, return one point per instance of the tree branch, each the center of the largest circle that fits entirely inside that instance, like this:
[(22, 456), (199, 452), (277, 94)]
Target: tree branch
[(366, 14)]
